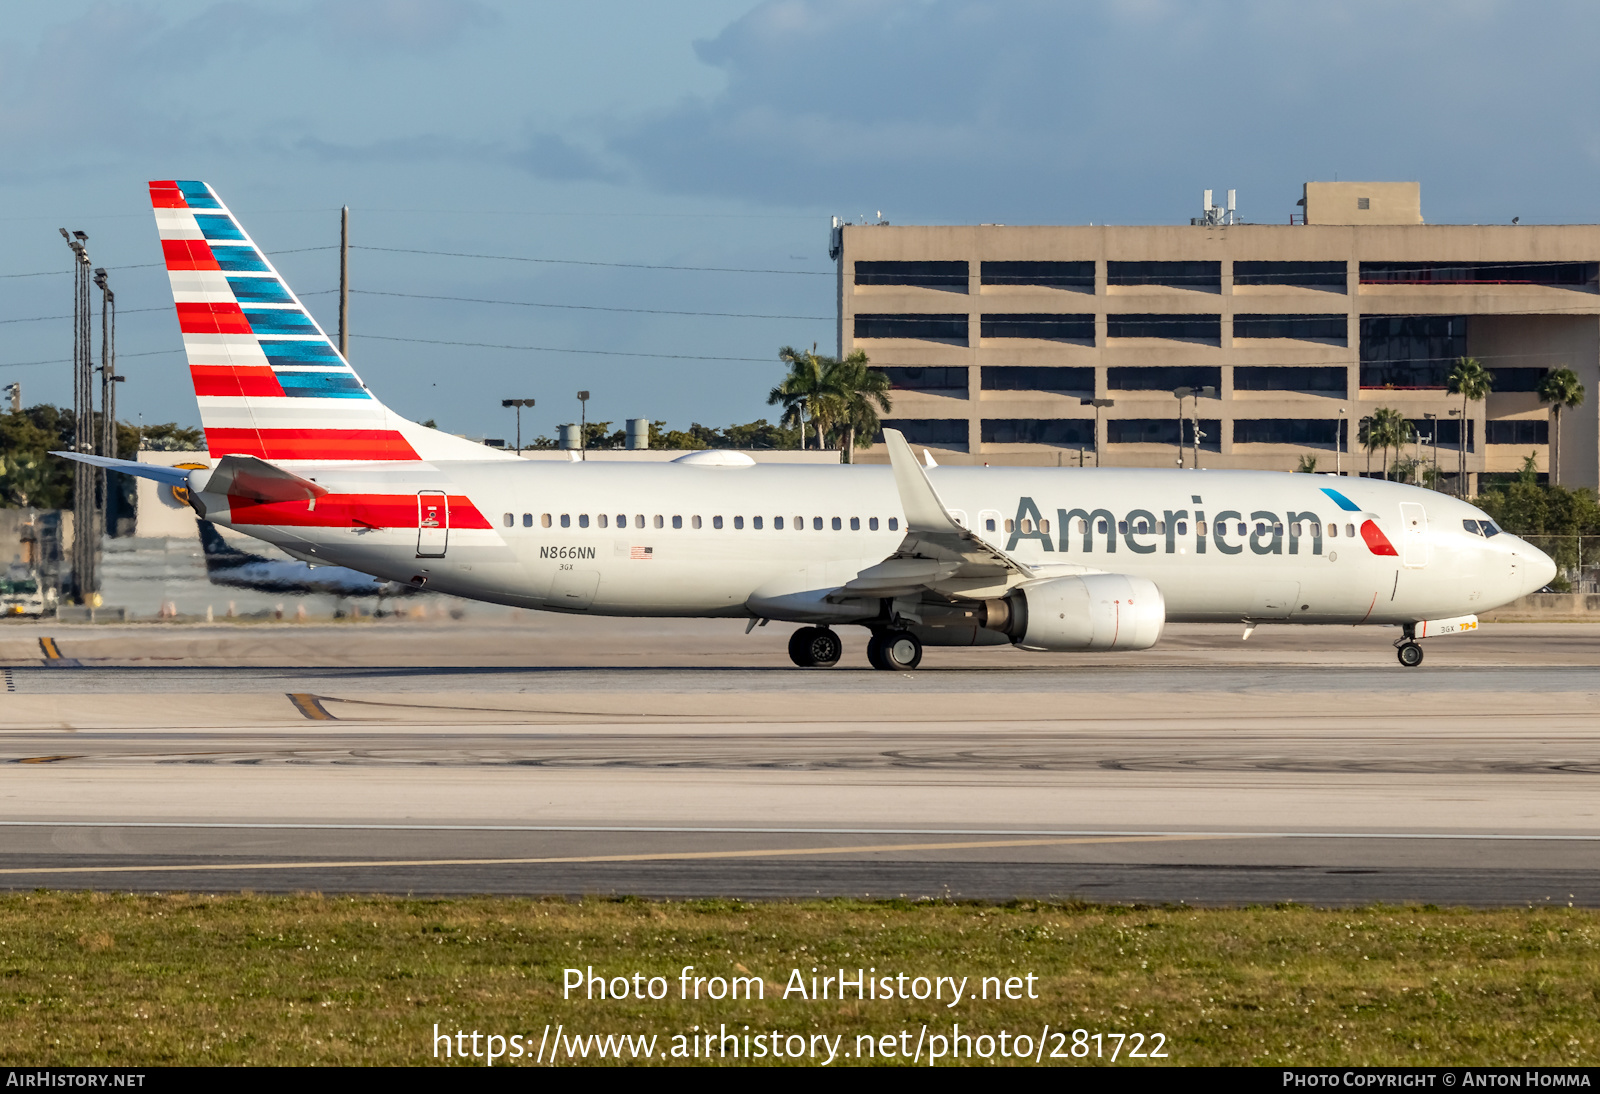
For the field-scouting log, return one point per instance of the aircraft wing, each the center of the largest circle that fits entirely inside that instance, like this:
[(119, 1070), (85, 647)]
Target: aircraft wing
[(937, 554)]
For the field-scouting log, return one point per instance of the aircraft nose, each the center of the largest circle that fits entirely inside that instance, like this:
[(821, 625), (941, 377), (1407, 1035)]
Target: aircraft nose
[(1538, 567)]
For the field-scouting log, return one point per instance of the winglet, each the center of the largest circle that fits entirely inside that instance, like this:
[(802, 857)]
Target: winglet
[(924, 511)]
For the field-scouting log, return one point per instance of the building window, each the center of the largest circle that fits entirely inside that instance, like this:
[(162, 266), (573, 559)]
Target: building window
[(1363, 203), (950, 329), (1038, 378), (1078, 276), (1186, 328), (1162, 431), (1517, 431), (938, 432), (1516, 378), (1315, 379), (1040, 325), (1062, 432), (1162, 377), (1309, 328), (949, 276), (1305, 275), (1310, 432), (1569, 274), (1448, 430), (1411, 351), (1173, 275), (935, 379)]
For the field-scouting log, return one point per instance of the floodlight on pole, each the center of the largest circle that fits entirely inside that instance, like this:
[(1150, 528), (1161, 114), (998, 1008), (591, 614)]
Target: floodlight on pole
[(1098, 404), (583, 425), (519, 404)]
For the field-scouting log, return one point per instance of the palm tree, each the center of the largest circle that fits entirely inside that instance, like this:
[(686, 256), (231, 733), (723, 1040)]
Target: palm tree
[(800, 393), (1561, 389), (1470, 380), (1387, 428), (853, 395)]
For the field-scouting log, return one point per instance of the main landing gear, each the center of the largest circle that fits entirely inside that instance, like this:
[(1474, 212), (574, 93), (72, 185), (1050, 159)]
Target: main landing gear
[(894, 650), (815, 647)]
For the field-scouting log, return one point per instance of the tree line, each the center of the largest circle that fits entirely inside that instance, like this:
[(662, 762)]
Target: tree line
[(31, 477)]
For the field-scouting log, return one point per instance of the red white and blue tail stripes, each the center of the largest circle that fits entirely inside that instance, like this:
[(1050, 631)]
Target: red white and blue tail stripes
[(269, 381)]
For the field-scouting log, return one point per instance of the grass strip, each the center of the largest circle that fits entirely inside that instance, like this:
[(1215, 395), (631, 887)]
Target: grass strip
[(139, 980)]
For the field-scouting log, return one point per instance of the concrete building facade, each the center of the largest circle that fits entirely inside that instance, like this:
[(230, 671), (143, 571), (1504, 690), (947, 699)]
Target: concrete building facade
[(999, 339)]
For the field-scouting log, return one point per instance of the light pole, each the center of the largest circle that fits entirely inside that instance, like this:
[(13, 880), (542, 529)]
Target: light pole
[(1206, 392), (1434, 420), (519, 404), (1182, 393), (583, 425), (1338, 442), (1461, 454), (1098, 404)]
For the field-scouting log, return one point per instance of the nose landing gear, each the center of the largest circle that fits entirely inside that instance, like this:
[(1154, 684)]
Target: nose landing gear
[(815, 647), (1409, 652)]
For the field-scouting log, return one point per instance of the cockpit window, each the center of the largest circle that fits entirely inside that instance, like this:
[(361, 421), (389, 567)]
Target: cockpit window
[(1471, 526), (1489, 528)]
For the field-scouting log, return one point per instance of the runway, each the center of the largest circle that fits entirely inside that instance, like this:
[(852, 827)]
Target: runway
[(558, 755)]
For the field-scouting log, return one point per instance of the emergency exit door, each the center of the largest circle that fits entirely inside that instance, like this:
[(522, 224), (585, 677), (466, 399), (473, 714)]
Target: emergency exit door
[(433, 523)]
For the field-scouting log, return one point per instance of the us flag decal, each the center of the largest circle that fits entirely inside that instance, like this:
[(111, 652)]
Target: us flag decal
[(640, 552)]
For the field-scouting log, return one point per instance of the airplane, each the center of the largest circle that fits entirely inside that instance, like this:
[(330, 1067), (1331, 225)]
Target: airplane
[(236, 568), (309, 459)]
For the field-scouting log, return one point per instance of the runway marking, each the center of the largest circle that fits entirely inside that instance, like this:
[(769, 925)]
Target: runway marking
[(657, 856), (52, 652), (311, 706), (11, 685), (46, 759), (692, 830)]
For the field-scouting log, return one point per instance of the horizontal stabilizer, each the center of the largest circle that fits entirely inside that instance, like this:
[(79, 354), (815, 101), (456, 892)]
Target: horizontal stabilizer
[(172, 476), (250, 477)]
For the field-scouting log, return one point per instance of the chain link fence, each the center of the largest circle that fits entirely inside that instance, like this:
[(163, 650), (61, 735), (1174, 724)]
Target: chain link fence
[(1577, 559)]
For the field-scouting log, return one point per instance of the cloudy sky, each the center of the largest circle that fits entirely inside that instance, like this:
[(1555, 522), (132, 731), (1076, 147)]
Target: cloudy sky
[(617, 135)]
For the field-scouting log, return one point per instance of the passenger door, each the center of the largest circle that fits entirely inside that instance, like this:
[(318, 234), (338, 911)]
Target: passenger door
[(433, 523), (1414, 534)]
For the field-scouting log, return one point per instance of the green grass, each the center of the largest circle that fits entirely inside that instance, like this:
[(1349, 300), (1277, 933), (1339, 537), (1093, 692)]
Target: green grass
[(144, 980)]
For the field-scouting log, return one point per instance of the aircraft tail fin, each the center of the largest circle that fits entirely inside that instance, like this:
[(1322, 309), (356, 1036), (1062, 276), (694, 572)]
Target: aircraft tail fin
[(269, 381)]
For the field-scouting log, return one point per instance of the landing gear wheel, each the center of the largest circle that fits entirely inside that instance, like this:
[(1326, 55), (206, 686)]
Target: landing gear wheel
[(894, 651), (815, 647), (1410, 654)]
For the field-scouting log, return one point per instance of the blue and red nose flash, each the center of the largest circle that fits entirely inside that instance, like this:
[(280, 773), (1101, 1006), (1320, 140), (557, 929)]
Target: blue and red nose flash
[(1376, 541)]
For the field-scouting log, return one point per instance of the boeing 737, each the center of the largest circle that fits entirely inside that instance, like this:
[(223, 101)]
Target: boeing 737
[(306, 457)]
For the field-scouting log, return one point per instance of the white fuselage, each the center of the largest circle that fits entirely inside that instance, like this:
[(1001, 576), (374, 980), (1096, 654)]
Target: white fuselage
[(681, 540)]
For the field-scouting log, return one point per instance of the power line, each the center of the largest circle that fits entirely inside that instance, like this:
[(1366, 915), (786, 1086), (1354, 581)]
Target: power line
[(585, 262), (567, 349), (589, 307), (42, 318), (68, 360)]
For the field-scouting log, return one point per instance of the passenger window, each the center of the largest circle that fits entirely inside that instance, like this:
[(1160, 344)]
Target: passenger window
[(527, 520), (622, 520), (638, 520), (603, 519), (1316, 530), (837, 524), (1143, 528), (566, 520), (510, 520), (777, 523), (1027, 526), (1199, 528), (1044, 526), (1294, 530), (1333, 531), (1100, 526), (659, 522), (1161, 527), (716, 522), (694, 522), (677, 522), (816, 524), (738, 522), (1350, 530), (1244, 529), (1083, 526), (583, 520), (855, 524), (1183, 527), (894, 524), (544, 520), (1277, 529), (800, 523), (1122, 527), (872, 524), (755, 522)]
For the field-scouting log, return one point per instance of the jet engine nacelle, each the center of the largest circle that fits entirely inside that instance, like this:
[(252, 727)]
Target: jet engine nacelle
[(1089, 612)]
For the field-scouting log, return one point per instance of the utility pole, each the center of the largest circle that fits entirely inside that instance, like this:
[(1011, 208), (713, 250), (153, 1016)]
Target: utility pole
[(85, 533), (1182, 393), (1338, 443), (1098, 405), (106, 444), (344, 283)]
